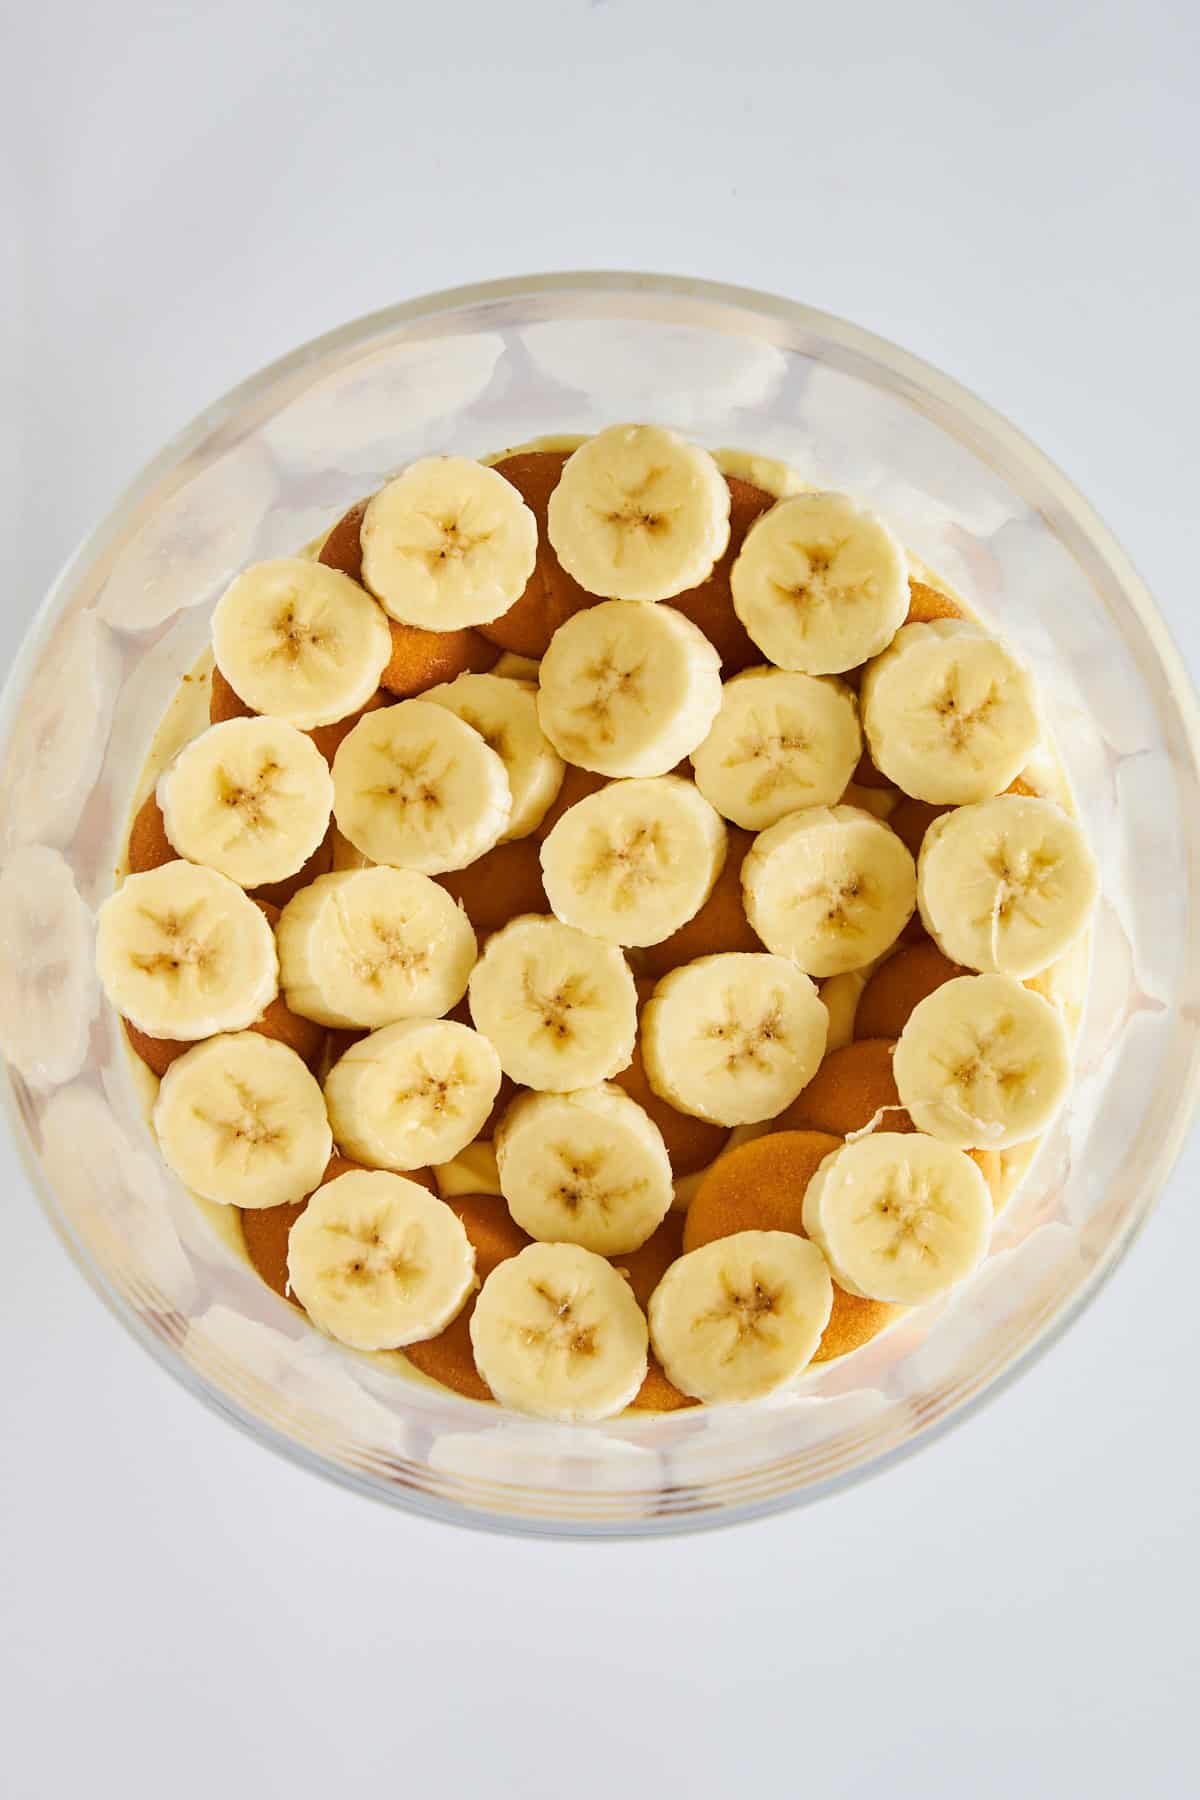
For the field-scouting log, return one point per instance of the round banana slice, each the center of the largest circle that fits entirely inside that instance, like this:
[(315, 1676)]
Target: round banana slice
[(183, 953), (366, 947), (300, 641), (634, 862), (585, 1168), (448, 543), (741, 1316), (820, 585), (556, 1332), (415, 787), (412, 1094), (830, 887), (983, 1063), (899, 1217), (505, 714), (949, 713), (732, 1038), (780, 741), (241, 1121), (251, 797), (639, 514), (560, 1007), (628, 689), (377, 1262), (1006, 885)]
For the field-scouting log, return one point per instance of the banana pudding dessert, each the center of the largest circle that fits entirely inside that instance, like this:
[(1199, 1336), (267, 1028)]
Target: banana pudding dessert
[(614, 935)]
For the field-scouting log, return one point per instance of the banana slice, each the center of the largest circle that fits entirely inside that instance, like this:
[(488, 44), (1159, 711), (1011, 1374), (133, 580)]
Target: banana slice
[(250, 798), (241, 1121), (448, 543), (505, 714), (899, 1217), (560, 1007), (1006, 885), (950, 714), (412, 1093), (830, 887), (820, 585), (415, 787), (634, 862), (741, 1316), (639, 514), (732, 1038), (780, 741), (557, 1333), (628, 689), (377, 1262), (586, 1168), (983, 1063), (300, 642), (366, 947), (183, 953)]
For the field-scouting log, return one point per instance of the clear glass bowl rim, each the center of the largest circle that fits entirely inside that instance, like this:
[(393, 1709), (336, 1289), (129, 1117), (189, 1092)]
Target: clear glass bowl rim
[(1001, 434)]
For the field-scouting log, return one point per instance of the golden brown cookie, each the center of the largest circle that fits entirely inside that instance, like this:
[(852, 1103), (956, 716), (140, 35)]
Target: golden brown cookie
[(551, 595), (710, 606), (149, 845), (852, 1086), (423, 659), (759, 1186), (499, 886), (899, 985), (721, 923), (342, 549), (926, 604), (448, 1357)]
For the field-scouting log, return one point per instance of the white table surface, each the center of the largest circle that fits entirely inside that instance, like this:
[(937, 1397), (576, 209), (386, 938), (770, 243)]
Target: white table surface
[(1003, 187)]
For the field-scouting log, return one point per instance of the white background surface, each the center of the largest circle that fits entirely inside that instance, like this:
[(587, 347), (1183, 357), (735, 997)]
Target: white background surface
[(1005, 189)]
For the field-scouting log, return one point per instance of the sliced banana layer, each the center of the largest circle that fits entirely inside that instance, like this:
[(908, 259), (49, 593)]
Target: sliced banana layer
[(183, 953), (1006, 885), (241, 1121), (557, 1333), (448, 543), (732, 1038), (830, 887), (739, 1317), (983, 1063), (560, 1007), (412, 1094), (505, 714), (780, 741), (378, 1262), (639, 514), (366, 947), (950, 714), (251, 797), (585, 1168), (634, 862), (820, 585), (900, 1217), (300, 641), (415, 787), (628, 689)]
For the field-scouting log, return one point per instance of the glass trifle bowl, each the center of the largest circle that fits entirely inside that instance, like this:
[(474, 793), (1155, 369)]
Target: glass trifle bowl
[(270, 467)]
